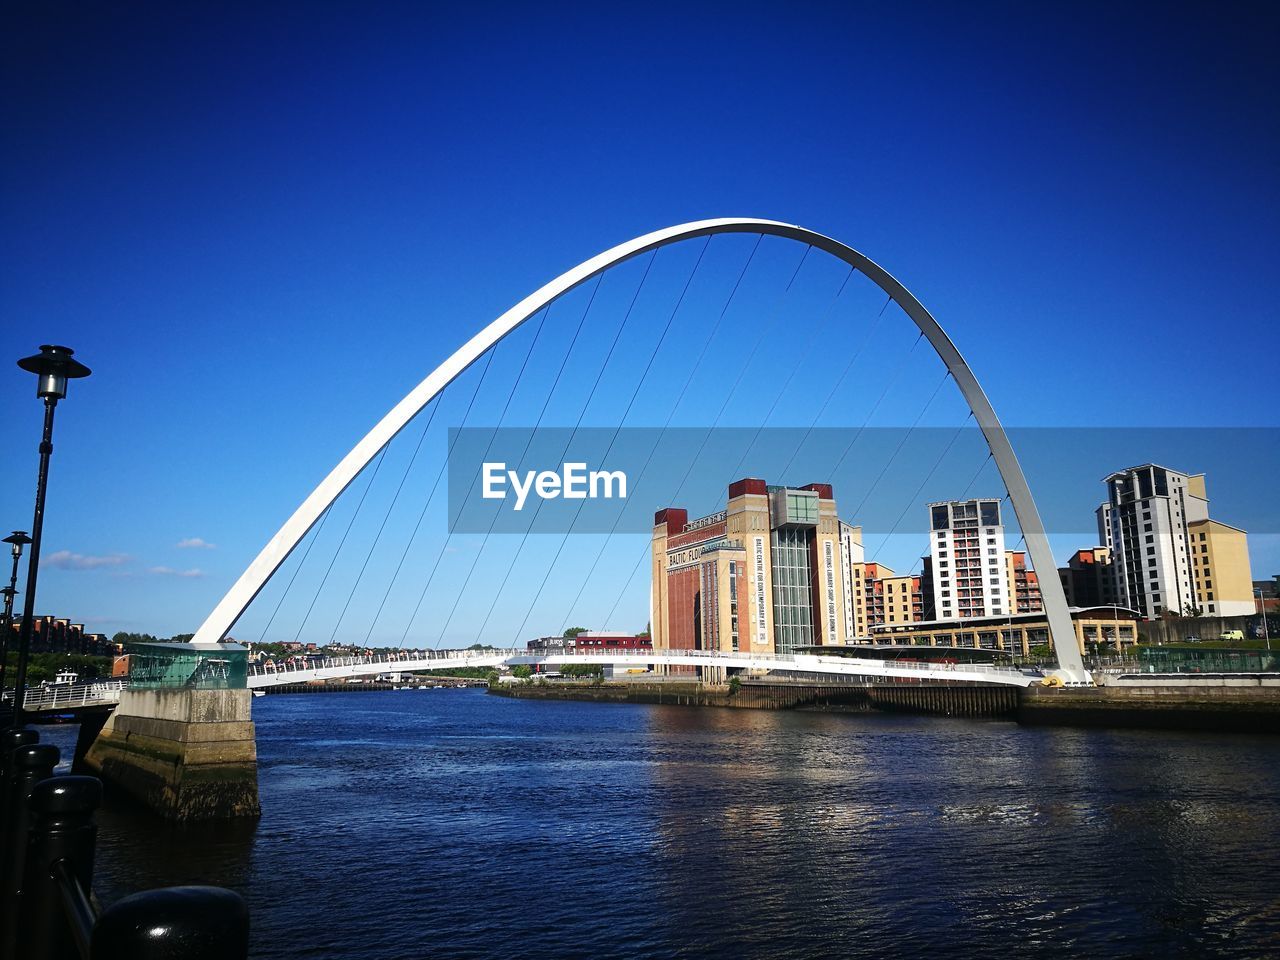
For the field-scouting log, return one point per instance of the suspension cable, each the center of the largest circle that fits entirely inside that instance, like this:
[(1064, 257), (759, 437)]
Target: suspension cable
[(616, 432), (901, 443), (706, 343), (724, 406), (581, 415), (914, 499), (813, 341), (876, 406), (385, 517), (449, 536), (318, 529), (875, 324), (430, 496), (551, 393), (341, 543)]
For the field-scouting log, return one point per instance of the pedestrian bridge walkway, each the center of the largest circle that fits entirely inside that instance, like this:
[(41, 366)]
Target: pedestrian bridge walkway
[(261, 676), (68, 697)]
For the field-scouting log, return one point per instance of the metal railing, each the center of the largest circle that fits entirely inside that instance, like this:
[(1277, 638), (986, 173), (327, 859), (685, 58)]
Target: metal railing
[(395, 657), (47, 839), (835, 664), (69, 696)]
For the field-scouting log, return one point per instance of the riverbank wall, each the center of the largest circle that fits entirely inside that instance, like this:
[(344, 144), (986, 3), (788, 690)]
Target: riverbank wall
[(1162, 705), (1252, 709), (936, 699)]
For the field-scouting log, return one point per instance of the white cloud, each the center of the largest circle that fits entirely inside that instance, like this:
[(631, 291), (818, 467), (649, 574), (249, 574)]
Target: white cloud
[(194, 543), (194, 572), (66, 560)]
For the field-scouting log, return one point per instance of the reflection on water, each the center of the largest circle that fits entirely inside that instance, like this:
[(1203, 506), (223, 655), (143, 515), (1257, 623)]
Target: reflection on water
[(453, 824)]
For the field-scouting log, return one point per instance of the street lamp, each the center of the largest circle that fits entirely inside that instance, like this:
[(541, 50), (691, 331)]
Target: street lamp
[(18, 539), (53, 367)]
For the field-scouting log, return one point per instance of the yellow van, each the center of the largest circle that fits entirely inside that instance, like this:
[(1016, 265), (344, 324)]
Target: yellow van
[(1232, 635)]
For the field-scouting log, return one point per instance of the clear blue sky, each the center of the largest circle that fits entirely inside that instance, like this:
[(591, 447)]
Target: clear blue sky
[(261, 225)]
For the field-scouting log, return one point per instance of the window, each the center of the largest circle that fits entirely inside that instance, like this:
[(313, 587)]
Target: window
[(995, 581), (1151, 537), (1146, 527)]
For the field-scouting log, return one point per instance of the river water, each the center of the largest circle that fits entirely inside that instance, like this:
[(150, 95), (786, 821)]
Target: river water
[(451, 823)]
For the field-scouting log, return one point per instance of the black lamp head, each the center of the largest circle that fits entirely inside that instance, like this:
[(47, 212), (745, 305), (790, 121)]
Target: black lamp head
[(19, 539), (53, 367)]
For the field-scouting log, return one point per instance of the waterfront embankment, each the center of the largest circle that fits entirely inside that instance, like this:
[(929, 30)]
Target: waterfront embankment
[(1162, 705), (1253, 709), (937, 699)]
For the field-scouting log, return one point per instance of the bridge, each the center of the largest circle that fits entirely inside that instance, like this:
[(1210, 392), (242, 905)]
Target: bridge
[(371, 450), (336, 668), (770, 587), (67, 697)]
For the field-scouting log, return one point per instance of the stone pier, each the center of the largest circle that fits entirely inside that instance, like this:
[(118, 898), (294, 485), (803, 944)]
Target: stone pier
[(188, 754)]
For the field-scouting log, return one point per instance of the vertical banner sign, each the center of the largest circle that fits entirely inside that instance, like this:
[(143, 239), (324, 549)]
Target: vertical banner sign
[(758, 633), (831, 593)]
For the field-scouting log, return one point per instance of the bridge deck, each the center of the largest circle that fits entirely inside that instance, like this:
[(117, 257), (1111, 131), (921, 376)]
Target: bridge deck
[(343, 667)]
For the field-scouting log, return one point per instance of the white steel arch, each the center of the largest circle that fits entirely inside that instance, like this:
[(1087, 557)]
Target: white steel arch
[(277, 550)]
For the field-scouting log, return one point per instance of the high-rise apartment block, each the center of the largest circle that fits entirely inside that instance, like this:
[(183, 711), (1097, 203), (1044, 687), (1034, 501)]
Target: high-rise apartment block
[(967, 565), (1166, 554)]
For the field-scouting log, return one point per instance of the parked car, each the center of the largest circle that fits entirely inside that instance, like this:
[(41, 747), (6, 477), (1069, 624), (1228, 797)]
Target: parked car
[(1191, 639), (1232, 635)]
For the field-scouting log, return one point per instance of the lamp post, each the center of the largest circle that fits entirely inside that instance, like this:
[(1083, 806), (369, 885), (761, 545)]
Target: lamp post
[(1262, 606), (18, 539), (53, 367)]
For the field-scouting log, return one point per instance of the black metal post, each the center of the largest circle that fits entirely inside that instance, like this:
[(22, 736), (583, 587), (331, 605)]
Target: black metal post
[(62, 832), (11, 740), (19, 540), (32, 765), (33, 564), (177, 923)]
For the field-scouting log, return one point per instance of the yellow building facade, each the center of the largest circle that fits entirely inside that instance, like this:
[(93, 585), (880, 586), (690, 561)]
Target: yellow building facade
[(1220, 568)]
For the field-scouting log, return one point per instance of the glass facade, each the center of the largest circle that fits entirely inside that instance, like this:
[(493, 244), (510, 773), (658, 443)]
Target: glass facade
[(221, 666), (792, 589), (1207, 660)]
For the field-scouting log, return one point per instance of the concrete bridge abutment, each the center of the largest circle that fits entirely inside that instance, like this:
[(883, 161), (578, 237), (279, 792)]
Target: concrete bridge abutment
[(188, 754)]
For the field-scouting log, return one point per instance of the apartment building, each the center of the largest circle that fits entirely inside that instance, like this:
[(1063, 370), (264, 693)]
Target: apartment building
[(1220, 569), (1166, 553), (1022, 584), (968, 570), (1087, 579)]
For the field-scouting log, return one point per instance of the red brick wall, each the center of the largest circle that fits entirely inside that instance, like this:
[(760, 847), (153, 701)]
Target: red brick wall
[(682, 595)]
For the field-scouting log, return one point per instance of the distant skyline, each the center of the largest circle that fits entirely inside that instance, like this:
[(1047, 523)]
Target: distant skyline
[(262, 227)]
